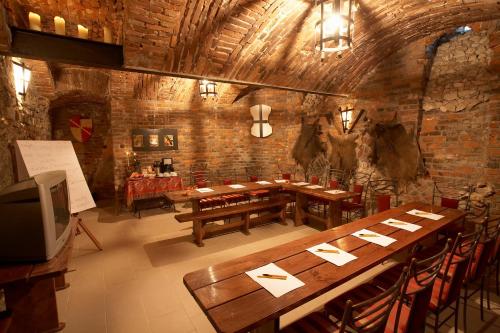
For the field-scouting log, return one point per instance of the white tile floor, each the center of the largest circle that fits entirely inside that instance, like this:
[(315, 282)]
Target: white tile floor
[(135, 284)]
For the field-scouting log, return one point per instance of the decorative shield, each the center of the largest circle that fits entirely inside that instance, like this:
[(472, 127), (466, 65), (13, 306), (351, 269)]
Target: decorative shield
[(261, 127), (81, 128)]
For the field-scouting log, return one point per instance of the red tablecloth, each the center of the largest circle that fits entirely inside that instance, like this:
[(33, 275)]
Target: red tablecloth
[(150, 188)]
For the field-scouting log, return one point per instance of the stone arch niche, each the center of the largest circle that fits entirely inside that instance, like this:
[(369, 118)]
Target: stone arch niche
[(85, 92)]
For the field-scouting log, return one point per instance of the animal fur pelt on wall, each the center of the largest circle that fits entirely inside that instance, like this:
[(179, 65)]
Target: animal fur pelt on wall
[(341, 152), (308, 145), (395, 153)]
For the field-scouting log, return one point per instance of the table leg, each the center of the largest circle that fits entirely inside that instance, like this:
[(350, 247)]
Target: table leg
[(34, 306), (195, 206), (300, 203), (272, 326), (334, 214)]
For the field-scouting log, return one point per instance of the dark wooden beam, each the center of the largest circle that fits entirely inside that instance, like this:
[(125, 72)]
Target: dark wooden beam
[(244, 92), (56, 48)]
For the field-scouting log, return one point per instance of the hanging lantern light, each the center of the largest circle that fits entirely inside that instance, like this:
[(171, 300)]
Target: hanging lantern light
[(346, 116), (208, 89), (334, 31)]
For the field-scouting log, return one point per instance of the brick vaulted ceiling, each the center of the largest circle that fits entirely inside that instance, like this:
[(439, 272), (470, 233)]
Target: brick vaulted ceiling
[(264, 41)]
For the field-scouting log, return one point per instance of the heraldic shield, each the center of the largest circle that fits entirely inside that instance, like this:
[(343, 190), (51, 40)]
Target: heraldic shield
[(261, 127), (81, 128)]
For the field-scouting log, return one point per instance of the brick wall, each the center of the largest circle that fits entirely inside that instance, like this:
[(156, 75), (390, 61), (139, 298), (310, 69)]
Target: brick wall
[(215, 132), (31, 122), (459, 138)]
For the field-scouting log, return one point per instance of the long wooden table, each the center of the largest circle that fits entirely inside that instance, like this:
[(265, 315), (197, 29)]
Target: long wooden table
[(302, 193), (235, 303)]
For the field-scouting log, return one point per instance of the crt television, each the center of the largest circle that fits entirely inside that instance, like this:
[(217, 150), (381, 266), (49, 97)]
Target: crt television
[(34, 218)]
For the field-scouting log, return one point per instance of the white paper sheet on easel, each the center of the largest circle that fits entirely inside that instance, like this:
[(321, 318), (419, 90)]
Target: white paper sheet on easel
[(35, 157)]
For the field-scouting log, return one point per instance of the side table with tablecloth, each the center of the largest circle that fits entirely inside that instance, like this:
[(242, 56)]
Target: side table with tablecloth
[(141, 189)]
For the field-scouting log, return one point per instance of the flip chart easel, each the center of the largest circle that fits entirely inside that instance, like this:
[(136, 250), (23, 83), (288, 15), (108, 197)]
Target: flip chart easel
[(35, 157)]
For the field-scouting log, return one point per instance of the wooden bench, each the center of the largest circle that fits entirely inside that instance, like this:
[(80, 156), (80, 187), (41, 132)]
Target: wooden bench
[(202, 228)]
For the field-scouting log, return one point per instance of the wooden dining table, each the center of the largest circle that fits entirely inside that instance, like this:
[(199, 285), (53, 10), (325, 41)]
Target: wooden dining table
[(233, 302)]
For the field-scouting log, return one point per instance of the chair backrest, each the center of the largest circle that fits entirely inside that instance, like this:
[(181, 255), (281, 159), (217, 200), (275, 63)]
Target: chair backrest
[(343, 177), (485, 249), (384, 193), (371, 316), (287, 172), (200, 177), (314, 180), (334, 184), (254, 173), (453, 272), (318, 167), (417, 290), (451, 196), (226, 176), (360, 189)]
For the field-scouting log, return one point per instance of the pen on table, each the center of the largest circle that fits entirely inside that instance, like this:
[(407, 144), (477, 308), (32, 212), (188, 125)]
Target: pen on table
[(367, 235), (421, 213), (396, 222), (327, 251), (272, 276)]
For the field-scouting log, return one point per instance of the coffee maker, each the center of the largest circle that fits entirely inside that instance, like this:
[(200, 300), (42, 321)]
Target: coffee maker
[(167, 165)]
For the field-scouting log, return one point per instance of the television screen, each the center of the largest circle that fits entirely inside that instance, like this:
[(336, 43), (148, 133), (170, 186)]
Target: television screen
[(59, 194)]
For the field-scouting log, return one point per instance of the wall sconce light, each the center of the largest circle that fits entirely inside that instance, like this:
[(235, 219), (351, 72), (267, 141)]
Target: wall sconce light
[(346, 116), (335, 29), (208, 89), (22, 77)]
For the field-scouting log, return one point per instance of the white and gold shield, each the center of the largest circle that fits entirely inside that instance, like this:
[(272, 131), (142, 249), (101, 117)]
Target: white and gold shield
[(261, 127)]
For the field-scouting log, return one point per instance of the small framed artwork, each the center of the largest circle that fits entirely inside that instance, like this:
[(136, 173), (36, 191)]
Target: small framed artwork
[(144, 139), (153, 140), (138, 140)]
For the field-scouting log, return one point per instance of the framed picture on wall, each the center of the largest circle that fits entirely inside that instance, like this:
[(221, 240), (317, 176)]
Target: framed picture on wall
[(145, 139), (137, 141)]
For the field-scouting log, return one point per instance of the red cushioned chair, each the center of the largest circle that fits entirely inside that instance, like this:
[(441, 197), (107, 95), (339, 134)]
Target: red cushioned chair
[(478, 266), (446, 290), (232, 199), (368, 316), (409, 312), (200, 178), (383, 194), (253, 175)]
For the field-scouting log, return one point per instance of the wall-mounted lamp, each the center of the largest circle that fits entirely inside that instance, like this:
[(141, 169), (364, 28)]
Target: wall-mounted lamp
[(60, 25), (22, 77), (335, 29), (35, 21), (346, 116), (208, 89)]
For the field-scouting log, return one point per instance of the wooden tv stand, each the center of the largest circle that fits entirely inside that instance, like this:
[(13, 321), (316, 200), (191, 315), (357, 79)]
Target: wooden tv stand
[(30, 291)]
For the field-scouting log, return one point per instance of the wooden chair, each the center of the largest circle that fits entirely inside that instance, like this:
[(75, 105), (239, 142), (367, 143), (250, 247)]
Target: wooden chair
[(493, 267), (368, 316), (384, 194), (446, 290), (357, 205)]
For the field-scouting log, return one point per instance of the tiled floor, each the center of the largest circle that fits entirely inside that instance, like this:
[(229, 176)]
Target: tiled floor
[(135, 284)]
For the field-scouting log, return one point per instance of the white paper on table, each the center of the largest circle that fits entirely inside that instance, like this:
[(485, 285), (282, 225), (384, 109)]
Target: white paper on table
[(237, 186), (379, 239), (280, 181), (263, 182), (402, 225), (300, 183), (314, 187), (339, 259), (276, 287), (204, 190), (427, 215), (335, 191)]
